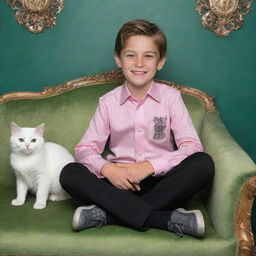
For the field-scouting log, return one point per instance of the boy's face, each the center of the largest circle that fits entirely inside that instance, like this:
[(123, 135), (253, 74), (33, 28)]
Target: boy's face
[(139, 60)]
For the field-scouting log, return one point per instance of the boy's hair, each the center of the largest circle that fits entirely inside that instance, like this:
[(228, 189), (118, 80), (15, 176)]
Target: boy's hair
[(141, 27)]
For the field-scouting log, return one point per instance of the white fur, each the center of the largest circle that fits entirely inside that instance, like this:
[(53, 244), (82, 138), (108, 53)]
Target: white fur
[(37, 165)]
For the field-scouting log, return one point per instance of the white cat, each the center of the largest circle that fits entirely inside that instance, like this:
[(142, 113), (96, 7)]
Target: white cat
[(37, 165)]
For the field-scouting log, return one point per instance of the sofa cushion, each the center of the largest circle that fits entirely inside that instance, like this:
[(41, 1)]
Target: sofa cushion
[(27, 231)]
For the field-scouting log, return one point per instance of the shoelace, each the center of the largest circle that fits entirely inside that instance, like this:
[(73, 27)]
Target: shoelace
[(176, 228)]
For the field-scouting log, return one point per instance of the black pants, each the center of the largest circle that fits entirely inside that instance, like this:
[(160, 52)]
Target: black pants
[(167, 192)]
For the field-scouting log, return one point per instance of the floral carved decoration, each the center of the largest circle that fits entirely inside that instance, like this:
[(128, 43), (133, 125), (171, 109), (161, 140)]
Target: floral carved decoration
[(36, 15), (243, 218), (223, 16)]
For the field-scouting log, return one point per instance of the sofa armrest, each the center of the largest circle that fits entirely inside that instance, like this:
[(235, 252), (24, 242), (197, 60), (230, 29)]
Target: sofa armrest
[(233, 167)]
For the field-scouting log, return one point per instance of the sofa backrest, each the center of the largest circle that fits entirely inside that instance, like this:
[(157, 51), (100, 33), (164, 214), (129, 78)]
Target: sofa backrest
[(67, 110)]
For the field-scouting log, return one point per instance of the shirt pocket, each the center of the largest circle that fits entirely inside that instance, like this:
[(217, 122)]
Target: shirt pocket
[(158, 129)]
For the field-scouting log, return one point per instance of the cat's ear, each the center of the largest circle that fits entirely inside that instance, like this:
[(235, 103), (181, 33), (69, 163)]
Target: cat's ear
[(40, 129), (14, 128)]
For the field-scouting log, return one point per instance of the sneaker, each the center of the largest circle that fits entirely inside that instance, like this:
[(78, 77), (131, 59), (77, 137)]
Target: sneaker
[(188, 222), (89, 216)]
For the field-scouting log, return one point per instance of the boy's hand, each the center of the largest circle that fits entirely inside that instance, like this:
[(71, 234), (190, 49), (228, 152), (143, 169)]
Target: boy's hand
[(139, 171), (119, 177)]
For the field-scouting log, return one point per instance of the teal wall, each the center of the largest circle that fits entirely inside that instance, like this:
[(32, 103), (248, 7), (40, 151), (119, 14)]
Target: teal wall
[(82, 43)]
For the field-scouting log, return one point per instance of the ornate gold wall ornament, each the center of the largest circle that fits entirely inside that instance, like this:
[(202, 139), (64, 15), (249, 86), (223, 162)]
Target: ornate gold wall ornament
[(36, 15), (223, 16)]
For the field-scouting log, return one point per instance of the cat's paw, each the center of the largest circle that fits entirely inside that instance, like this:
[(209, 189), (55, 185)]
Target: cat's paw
[(16, 202), (39, 205)]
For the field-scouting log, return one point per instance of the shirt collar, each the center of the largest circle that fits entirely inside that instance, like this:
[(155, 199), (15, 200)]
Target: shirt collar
[(153, 92)]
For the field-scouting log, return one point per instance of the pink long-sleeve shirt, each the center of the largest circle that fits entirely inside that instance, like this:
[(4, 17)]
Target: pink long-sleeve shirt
[(157, 128)]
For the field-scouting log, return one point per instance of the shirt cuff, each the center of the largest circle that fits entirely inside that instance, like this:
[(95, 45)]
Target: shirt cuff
[(94, 164), (97, 167), (161, 165)]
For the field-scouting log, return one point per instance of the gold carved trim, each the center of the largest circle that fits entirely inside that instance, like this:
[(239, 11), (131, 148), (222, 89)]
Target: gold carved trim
[(223, 16), (36, 15), (243, 218), (108, 77), (208, 100)]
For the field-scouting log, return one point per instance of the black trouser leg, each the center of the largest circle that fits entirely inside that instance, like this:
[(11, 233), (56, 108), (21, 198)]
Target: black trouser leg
[(181, 183), (164, 193), (82, 184)]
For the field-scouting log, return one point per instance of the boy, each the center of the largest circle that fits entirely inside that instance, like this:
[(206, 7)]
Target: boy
[(156, 163)]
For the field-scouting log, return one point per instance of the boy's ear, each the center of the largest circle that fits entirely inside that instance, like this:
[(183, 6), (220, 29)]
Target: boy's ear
[(161, 63), (117, 60)]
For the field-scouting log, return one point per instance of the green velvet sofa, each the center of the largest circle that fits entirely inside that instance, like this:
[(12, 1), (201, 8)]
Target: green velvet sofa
[(66, 110)]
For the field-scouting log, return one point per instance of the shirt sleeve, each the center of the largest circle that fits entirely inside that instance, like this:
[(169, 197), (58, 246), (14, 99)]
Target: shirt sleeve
[(89, 149), (185, 136)]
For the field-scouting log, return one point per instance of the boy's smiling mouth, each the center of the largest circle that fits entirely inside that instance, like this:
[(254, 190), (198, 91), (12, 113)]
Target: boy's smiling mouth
[(139, 72)]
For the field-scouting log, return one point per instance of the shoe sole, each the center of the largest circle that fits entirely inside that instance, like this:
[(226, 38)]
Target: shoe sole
[(77, 214), (199, 218)]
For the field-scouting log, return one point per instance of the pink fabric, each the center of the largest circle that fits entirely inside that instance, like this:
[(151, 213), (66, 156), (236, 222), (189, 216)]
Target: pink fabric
[(139, 130)]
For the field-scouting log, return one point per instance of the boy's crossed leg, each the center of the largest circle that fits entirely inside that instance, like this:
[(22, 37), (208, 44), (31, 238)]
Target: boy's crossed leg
[(150, 207)]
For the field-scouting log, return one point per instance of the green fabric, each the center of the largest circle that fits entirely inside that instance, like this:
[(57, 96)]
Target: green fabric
[(48, 232), (233, 167), (24, 230)]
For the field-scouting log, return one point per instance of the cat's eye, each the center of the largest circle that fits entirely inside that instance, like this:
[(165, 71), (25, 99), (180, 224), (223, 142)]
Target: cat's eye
[(21, 140), (33, 140)]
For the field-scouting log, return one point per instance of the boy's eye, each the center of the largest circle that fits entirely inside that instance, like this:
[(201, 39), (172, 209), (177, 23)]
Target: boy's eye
[(130, 55), (21, 140), (33, 140), (149, 56)]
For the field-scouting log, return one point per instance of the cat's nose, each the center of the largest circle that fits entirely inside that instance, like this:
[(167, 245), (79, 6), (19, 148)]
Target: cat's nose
[(27, 145)]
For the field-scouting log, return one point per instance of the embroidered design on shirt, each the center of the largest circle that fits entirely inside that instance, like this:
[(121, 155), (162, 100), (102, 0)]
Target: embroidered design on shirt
[(160, 125)]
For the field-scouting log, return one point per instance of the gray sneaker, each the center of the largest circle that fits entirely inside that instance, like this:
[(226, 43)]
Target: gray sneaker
[(188, 222), (89, 216)]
